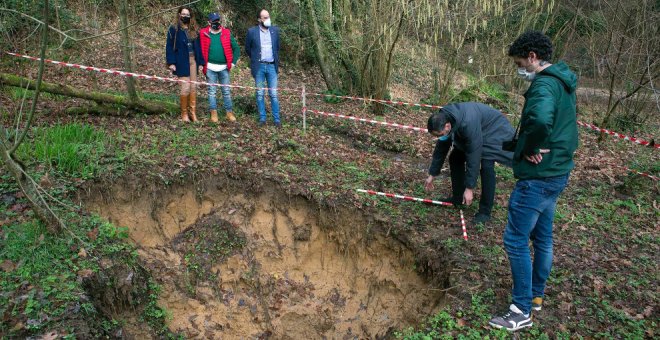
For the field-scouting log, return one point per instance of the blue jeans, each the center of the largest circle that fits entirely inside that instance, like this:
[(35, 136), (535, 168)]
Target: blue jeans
[(531, 213), (213, 78), (267, 74)]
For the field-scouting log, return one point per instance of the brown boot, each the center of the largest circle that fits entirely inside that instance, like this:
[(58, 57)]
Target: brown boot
[(214, 116), (183, 100), (230, 116), (193, 106)]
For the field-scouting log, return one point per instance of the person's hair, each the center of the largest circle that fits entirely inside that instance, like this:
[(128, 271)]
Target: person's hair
[(532, 41), (437, 121), (192, 25), (259, 13)]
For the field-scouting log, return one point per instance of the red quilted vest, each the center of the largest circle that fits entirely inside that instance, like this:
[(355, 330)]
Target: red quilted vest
[(225, 40)]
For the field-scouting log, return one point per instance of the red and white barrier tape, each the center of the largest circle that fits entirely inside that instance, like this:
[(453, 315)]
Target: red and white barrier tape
[(405, 198), (463, 226), (645, 174), (383, 101), (144, 76), (401, 126), (619, 135)]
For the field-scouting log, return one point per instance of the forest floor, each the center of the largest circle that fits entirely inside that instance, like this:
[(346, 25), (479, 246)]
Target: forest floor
[(606, 242)]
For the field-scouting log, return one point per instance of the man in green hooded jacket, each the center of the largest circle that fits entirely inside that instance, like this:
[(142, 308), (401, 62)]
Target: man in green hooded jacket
[(542, 162)]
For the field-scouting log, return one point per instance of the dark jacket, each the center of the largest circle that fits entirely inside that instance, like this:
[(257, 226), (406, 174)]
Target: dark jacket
[(180, 57), (548, 121), (253, 47), (478, 130)]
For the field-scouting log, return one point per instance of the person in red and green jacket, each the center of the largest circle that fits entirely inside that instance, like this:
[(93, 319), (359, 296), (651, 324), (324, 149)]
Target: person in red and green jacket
[(220, 52)]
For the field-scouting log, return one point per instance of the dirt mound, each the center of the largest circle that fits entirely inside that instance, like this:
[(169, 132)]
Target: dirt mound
[(263, 264)]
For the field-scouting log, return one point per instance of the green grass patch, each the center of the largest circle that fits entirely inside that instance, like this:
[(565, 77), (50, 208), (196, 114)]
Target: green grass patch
[(163, 97), (39, 286), (73, 149), (466, 324), (17, 93)]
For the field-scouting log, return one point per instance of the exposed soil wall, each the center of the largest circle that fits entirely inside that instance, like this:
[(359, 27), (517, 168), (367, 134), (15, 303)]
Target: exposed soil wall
[(237, 262)]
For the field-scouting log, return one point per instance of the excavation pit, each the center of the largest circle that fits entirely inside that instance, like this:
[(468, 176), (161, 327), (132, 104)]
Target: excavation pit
[(263, 264)]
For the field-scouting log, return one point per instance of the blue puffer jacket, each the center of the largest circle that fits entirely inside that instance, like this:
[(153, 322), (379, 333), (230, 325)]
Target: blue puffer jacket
[(180, 57)]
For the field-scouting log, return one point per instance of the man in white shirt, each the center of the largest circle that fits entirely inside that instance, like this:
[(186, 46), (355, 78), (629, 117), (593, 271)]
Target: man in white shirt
[(262, 45)]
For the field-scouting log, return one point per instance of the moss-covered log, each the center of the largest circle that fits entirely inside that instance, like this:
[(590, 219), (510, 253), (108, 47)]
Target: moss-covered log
[(141, 105)]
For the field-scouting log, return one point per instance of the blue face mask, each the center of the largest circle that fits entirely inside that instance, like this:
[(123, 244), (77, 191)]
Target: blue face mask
[(443, 138)]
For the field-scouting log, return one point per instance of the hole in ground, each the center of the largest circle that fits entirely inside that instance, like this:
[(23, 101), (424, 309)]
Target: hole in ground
[(260, 263)]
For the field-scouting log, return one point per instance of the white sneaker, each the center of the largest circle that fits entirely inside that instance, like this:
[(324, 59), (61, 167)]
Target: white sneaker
[(513, 320)]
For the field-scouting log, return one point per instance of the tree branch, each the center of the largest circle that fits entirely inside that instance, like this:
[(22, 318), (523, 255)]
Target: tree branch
[(67, 36), (40, 75)]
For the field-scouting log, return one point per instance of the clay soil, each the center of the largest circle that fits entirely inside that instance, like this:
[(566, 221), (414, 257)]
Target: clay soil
[(282, 266)]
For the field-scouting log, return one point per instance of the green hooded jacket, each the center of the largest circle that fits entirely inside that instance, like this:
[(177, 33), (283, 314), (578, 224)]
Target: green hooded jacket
[(548, 122)]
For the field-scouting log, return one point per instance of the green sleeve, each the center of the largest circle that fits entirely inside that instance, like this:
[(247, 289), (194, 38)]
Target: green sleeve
[(235, 49), (539, 117)]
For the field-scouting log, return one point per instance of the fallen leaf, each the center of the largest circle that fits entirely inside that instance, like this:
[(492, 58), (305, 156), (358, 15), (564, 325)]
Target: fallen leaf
[(627, 262), (18, 207), (93, 234), (85, 273), (18, 327), (8, 266), (82, 252), (45, 181), (50, 336), (460, 323), (647, 311)]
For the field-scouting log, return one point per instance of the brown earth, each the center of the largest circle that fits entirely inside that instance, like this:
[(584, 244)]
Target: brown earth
[(304, 272)]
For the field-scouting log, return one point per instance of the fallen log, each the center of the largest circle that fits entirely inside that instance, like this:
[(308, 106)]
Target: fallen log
[(141, 105)]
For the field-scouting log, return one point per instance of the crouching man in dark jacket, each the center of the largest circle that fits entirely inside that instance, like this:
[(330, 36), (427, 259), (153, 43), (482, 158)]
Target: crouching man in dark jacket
[(476, 132)]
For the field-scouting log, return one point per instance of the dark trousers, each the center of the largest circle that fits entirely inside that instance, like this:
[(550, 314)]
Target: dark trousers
[(457, 170)]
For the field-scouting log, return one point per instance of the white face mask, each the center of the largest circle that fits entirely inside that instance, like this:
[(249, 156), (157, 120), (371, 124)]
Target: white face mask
[(527, 75), (524, 74), (267, 22)]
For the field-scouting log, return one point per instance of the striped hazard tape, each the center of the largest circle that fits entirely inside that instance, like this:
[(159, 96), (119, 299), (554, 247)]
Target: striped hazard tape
[(619, 135), (638, 141), (463, 226), (382, 101), (645, 174), (401, 126), (423, 200), (144, 76), (405, 198)]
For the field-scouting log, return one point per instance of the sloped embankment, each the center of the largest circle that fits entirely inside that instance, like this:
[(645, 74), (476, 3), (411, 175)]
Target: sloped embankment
[(236, 262)]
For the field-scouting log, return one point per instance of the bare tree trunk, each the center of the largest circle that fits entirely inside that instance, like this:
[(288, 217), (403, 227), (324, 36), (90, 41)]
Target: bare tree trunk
[(145, 106), (126, 50), (384, 81), (320, 50)]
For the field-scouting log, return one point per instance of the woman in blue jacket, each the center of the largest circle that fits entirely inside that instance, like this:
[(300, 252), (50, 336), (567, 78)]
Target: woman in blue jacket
[(183, 57)]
